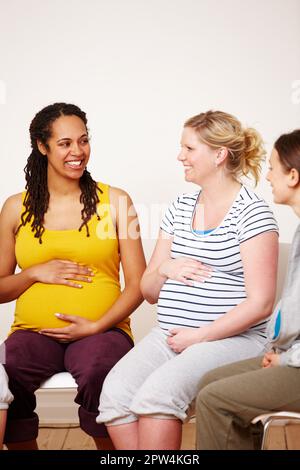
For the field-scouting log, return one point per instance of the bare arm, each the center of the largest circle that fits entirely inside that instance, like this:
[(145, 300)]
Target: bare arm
[(132, 260), (259, 257), (153, 279), (162, 267), (11, 285)]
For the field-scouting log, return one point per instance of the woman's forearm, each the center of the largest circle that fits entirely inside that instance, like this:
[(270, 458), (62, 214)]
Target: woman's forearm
[(151, 285), (12, 286), (237, 320), (130, 298)]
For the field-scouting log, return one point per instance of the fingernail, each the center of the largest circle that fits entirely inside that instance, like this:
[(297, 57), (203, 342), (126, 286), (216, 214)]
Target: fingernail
[(79, 286), (57, 314)]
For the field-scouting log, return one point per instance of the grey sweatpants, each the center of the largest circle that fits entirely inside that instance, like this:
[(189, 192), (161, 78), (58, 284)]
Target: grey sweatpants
[(155, 381), (231, 396)]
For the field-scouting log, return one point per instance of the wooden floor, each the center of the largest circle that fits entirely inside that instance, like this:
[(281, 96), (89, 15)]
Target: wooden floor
[(284, 437), (75, 439), (72, 438), (280, 438)]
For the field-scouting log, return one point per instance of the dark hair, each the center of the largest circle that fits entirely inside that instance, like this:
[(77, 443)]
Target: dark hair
[(36, 201), (288, 148)]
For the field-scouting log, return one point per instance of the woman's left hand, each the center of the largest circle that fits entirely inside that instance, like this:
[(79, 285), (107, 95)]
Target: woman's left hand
[(181, 338), (79, 328)]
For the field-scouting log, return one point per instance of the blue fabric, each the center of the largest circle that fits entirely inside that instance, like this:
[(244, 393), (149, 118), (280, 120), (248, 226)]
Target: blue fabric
[(203, 232), (277, 325)]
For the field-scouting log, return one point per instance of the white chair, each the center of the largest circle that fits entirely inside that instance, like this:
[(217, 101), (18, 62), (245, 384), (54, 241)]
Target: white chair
[(55, 401), (280, 417), (60, 380)]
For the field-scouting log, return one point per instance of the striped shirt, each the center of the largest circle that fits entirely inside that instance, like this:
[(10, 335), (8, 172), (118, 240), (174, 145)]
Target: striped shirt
[(180, 305)]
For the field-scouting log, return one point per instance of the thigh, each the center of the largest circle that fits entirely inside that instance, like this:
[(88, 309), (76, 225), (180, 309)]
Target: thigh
[(95, 355), (32, 358), (258, 391), (134, 368), (234, 368), (180, 377)]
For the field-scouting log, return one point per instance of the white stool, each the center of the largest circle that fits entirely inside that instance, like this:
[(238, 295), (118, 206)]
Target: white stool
[(60, 380), (55, 401)]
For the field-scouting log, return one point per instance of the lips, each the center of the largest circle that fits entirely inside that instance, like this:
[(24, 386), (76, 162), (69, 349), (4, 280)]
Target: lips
[(74, 164)]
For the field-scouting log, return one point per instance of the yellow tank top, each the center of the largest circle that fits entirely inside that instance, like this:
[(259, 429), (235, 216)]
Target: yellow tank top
[(36, 307)]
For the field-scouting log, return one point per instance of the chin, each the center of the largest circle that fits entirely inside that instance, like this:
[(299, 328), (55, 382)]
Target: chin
[(188, 178), (77, 176), (277, 200)]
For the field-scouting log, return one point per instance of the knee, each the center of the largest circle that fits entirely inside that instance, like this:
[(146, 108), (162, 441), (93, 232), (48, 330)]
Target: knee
[(13, 359), (115, 400), (93, 376), (113, 390), (208, 378), (211, 397), (204, 397), (158, 399), (5, 396)]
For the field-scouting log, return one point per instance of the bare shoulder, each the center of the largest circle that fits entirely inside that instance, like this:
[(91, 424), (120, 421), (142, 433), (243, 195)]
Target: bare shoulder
[(11, 210), (118, 194), (13, 203), (122, 203)]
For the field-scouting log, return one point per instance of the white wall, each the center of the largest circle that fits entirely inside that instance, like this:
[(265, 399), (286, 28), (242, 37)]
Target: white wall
[(139, 68)]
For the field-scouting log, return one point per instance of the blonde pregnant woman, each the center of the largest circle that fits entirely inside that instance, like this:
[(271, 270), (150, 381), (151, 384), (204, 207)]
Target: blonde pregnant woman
[(206, 276)]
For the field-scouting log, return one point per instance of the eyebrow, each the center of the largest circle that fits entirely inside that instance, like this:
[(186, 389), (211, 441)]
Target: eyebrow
[(68, 138)]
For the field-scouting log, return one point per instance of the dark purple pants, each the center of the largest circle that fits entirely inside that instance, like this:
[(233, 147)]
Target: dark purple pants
[(32, 358)]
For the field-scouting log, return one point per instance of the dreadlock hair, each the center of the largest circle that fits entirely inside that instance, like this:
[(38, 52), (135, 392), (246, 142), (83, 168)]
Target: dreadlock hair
[(36, 201)]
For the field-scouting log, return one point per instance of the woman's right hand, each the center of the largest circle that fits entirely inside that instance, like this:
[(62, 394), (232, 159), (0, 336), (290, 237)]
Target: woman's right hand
[(185, 270), (270, 359), (61, 272)]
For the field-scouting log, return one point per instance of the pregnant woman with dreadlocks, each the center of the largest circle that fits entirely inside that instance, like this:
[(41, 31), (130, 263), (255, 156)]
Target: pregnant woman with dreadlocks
[(64, 234)]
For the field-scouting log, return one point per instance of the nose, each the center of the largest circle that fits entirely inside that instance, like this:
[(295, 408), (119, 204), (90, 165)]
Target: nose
[(268, 176), (181, 156), (75, 149)]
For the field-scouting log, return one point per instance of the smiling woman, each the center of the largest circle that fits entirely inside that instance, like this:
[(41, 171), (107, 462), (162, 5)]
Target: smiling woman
[(70, 312), (207, 279)]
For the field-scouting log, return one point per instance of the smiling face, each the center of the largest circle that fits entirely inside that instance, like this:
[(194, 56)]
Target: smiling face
[(281, 180), (68, 148), (198, 159)]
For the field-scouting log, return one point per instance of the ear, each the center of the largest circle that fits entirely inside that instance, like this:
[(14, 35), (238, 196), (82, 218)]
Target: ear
[(41, 148), (293, 178), (221, 155)]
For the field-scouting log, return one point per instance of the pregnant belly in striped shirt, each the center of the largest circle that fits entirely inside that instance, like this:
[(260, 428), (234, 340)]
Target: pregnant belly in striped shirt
[(180, 305)]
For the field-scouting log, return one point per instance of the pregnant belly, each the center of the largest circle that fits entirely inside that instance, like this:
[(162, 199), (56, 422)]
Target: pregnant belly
[(36, 307)]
